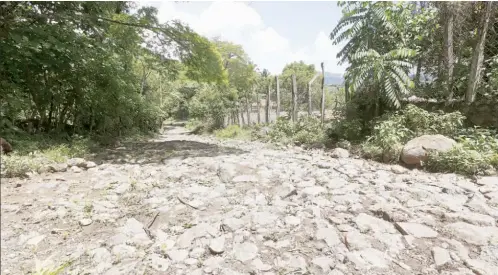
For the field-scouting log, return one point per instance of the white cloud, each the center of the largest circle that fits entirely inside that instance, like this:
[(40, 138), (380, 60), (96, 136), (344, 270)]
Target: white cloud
[(241, 24), (269, 41)]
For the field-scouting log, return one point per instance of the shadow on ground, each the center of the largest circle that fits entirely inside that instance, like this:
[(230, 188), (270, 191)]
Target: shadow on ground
[(158, 152)]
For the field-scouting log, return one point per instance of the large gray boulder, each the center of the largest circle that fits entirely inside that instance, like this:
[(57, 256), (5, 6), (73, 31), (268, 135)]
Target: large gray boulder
[(416, 150)]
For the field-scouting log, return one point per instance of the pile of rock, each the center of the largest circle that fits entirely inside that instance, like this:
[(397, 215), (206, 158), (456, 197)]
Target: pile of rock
[(75, 165)]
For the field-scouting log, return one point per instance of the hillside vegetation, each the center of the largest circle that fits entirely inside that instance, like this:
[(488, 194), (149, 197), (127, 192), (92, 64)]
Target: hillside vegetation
[(80, 75)]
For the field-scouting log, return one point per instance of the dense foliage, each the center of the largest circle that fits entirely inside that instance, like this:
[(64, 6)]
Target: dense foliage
[(451, 45), (83, 65), (79, 71)]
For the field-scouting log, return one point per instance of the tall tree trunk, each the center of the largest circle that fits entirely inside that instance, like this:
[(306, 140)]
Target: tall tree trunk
[(417, 74), (242, 116), (449, 58), (347, 96), (478, 56), (248, 107)]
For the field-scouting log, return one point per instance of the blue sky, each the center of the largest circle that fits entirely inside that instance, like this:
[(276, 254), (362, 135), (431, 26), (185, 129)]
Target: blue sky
[(273, 33)]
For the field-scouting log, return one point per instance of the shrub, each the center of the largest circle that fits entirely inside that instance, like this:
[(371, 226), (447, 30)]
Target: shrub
[(391, 131), (482, 140), (346, 129), (422, 122), (389, 135), (460, 160), (371, 151), (27, 156), (476, 153), (308, 130), (282, 131), (232, 131), (17, 166)]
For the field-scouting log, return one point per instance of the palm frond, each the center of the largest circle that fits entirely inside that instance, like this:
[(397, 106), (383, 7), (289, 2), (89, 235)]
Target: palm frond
[(372, 54), (390, 92), (344, 22), (402, 75), (402, 53), (400, 63), (358, 76), (401, 85), (351, 32)]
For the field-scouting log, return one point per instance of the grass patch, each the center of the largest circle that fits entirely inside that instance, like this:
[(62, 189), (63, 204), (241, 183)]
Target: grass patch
[(234, 132), (33, 152), (43, 268), (306, 131)]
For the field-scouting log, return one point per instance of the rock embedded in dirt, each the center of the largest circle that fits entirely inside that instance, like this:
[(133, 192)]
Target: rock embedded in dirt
[(80, 162), (177, 255), (57, 167), (245, 251), (89, 164), (441, 256), (75, 169), (339, 153), (416, 150), (217, 245), (85, 222), (415, 229)]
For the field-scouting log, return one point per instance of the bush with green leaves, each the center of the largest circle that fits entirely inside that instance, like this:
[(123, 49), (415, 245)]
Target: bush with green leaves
[(460, 159), (309, 130), (306, 131), (281, 131), (233, 131), (211, 104), (479, 139), (345, 129), (475, 153), (391, 131), (422, 122)]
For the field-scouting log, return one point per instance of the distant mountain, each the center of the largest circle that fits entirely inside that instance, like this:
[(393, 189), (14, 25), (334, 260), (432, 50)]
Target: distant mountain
[(333, 79)]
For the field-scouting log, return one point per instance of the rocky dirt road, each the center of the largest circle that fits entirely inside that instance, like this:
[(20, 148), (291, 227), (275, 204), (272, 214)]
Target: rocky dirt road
[(185, 204)]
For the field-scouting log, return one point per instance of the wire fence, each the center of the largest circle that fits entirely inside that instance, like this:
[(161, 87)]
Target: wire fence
[(307, 102)]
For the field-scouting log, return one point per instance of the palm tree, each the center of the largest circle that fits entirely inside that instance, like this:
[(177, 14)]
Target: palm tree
[(376, 66), (381, 76), (361, 25)]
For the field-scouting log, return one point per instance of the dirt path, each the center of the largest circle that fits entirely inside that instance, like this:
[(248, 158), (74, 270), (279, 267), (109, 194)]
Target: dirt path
[(185, 204)]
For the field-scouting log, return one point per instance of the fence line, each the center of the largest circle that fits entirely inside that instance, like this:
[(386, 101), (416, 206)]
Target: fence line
[(268, 106)]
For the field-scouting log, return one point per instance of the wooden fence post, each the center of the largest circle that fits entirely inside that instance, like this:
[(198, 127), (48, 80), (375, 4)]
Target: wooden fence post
[(258, 103), (278, 96), (309, 93), (268, 101), (309, 99), (294, 98), (323, 92)]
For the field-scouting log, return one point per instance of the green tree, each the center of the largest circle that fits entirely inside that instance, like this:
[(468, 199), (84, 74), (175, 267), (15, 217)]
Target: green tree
[(87, 64), (304, 73), (377, 68), (381, 76)]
